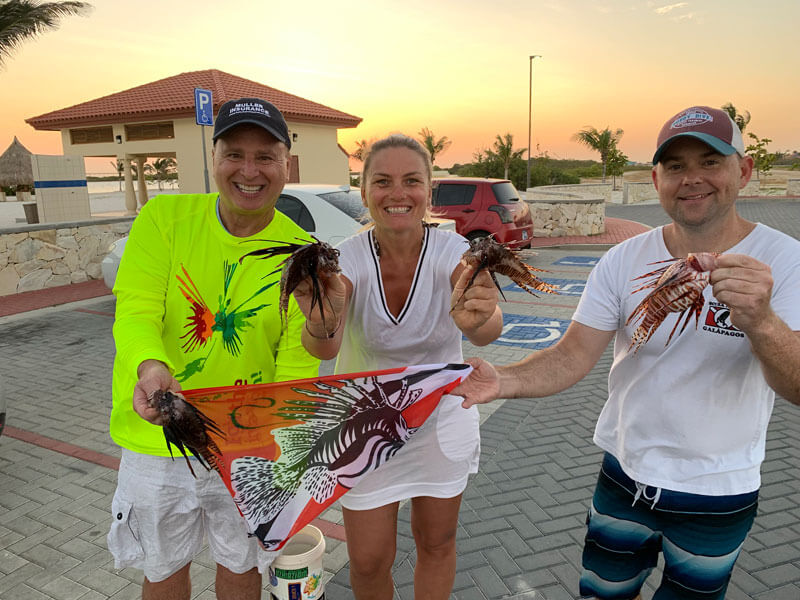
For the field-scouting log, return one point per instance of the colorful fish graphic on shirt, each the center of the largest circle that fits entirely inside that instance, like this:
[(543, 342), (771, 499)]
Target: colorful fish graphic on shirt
[(230, 322)]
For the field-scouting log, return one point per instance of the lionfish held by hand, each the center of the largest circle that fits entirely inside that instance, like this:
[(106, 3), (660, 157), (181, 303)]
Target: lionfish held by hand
[(486, 253), (305, 260), (676, 288), (187, 428)]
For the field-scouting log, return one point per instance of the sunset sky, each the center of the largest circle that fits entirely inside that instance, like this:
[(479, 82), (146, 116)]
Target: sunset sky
[(459, 68)]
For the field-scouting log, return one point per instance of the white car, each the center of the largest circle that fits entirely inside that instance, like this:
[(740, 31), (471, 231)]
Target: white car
[(329, 212), (339, 215)]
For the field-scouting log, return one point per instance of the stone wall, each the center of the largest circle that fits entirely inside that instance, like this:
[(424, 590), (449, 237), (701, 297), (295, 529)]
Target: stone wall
[(580, 190), (793, 187), (35, 257), (752, 188), (633, 192), (640, 192), (558, 214)]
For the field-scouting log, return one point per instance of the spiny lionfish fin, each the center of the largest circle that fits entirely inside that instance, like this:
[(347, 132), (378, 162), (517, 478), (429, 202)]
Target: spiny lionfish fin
[(497, 285), (256, 492), (173, 440), (320, 483), (295, 441)]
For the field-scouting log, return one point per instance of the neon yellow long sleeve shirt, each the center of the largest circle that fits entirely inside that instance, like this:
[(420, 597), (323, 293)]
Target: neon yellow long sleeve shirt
[(184, 298)]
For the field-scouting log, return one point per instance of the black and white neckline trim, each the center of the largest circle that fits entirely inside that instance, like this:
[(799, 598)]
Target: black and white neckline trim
[(414, 283)]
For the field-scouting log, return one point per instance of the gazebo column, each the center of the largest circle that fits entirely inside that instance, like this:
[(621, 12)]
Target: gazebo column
[(140, 160), (130, 194)]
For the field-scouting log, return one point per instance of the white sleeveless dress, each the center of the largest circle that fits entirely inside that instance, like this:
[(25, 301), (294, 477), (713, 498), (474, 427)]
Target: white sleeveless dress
[(444, 451)]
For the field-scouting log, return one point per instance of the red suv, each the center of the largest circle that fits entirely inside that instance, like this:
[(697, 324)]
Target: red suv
[(484, 206)]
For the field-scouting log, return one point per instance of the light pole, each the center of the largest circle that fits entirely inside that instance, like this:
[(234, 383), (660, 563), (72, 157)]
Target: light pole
[(530, 98)]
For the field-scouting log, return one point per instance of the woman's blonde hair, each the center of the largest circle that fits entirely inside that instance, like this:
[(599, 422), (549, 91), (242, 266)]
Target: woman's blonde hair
[(397, 140)]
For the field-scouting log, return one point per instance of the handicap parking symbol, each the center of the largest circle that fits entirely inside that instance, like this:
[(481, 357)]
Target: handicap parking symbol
[(534, 333), (577, 261)]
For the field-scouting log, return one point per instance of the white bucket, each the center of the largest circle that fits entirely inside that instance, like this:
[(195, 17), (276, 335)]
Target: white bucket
[(296, 574)]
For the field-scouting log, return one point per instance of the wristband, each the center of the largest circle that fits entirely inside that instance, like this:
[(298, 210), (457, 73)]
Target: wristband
[(327, 335)]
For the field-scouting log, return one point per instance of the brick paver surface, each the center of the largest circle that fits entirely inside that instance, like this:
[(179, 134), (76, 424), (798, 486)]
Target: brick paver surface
[(522, 520)]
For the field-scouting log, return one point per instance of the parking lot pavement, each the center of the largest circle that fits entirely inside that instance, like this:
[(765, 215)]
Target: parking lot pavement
[(779, 213), (55, 499), (522, 520)]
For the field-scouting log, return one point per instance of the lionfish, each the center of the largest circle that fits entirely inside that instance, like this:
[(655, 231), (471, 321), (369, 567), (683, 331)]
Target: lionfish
[(187, 428), (305, 260), (677, 287), (486, 253)]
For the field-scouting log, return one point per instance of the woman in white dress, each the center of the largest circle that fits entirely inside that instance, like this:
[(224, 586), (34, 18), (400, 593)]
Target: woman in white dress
[(391, 307)]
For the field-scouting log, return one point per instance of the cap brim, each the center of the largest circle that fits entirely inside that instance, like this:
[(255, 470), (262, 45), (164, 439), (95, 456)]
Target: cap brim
[(266, 128), (715, 143)]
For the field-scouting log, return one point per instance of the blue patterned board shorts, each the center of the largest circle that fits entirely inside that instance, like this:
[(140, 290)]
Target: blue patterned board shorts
[(629, 524)]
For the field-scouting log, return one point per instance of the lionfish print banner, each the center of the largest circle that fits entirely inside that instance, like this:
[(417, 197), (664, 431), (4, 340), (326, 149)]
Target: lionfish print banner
[(288, 450)]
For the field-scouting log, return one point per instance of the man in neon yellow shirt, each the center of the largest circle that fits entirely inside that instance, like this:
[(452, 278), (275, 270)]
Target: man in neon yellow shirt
[(189, 315)]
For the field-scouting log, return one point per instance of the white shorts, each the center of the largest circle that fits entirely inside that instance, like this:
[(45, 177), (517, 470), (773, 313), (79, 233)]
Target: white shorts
[(160, 514)]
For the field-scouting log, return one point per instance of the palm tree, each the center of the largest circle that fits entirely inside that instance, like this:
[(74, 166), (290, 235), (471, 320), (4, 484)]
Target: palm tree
[(119, 166), (162, 168), (741, 119), (24, 19), (504, 152), (601, 141), (616, 165), (434, 146), (361, 150)]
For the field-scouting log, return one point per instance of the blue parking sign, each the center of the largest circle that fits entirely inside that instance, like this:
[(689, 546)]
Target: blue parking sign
[(203, 107), (578, 261)]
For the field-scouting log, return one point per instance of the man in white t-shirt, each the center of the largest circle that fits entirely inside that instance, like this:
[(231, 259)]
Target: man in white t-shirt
[(685, 422)]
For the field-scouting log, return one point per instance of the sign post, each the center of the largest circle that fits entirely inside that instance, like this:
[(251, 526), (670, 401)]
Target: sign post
[(204, 115)]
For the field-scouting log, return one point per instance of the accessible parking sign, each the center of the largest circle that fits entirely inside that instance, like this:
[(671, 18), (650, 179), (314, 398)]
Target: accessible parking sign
[(534, 333)]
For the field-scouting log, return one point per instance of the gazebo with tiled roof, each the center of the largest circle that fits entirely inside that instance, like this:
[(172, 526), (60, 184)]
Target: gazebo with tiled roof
[(157, 119)]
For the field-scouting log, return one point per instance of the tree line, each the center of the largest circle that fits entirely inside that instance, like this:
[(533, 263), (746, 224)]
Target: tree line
[(503, 161), (161, 170)]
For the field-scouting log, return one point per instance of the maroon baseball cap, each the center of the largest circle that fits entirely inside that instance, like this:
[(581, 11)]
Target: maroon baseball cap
[(712, 126)]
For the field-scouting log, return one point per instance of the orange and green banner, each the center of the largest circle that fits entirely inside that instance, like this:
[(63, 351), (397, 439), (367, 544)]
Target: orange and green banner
[(288, 450)]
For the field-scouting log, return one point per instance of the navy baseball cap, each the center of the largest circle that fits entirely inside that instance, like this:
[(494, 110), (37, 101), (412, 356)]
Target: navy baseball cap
[(713, 126), (254, 111)]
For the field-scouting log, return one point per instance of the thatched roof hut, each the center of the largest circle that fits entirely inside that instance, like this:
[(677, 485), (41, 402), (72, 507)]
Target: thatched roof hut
[(15, 166)]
